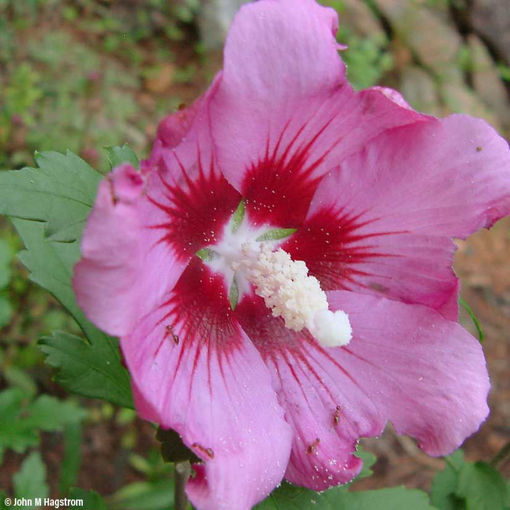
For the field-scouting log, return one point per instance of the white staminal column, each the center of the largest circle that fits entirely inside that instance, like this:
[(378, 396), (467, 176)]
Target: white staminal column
[(292, 294)]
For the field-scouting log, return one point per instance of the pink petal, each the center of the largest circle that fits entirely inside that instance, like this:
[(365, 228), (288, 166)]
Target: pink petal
[(283, 113), (193, 197), (141, 235), (195, 371), (346, 251), (405, 363), (326, 407), (119, 276), (172, 130), (383, 221), (426, 374), (449, 177)]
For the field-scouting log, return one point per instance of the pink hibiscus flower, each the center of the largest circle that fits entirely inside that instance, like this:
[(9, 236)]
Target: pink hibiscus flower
[(272, 351)]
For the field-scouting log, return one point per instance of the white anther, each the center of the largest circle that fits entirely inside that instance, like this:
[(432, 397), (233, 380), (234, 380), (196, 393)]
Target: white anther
[(292, 294), (331, 329)]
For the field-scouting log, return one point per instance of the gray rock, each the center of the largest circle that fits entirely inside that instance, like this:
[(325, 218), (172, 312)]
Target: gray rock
[(356, 15), (440, 8), (214, 19), (419, 90), (486, 79), (433, 41), (460, 98), (453, 75), (491, 19)]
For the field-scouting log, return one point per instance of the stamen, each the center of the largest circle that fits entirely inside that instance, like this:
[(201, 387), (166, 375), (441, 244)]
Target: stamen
[(292, 294), (331, 328)]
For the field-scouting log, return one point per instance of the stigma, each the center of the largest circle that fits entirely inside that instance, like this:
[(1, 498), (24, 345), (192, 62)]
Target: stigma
[(291, 293)]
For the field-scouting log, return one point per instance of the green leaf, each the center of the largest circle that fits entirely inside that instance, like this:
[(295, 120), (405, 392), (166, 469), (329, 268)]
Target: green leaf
[(233, 294), (6, 311), (206, 254), (238, 216), (14, 435), (468, 486), (482, 486), (474, 318), (275, 234), (51, 264), (289, 497), (60, 192), (149, 496), (368, 458), (21, 419), (91, 499), (59, 195), (19, 377), (443, 490), (91, 369), (3, 497), (456, 459), (118, 155), (48, 413), (444, 486), (30, 481), (5, 263), (72, 457), (395, 498), (504, 71)]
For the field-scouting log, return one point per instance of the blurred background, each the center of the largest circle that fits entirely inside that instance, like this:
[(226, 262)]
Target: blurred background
[(85, 74)]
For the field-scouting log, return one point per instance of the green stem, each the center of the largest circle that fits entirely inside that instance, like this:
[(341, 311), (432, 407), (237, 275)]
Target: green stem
[(500, 456), (182, 472), (474, 318)]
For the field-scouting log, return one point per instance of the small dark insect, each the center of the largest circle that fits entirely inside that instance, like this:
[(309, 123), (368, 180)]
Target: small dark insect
[(112, 192), (336, 416), (311, 449), (208, 451), (170, 331)]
